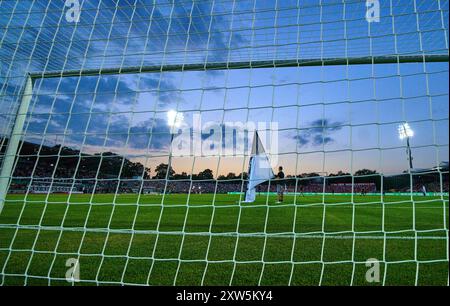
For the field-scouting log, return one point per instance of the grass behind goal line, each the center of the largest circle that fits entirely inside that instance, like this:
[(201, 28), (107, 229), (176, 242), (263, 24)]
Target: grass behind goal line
[(214, 240)]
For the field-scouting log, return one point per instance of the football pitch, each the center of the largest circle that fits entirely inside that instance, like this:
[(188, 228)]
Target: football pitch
[(207, 239)]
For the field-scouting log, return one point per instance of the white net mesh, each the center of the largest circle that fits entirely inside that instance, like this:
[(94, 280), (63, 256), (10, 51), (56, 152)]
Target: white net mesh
[(125, 128)]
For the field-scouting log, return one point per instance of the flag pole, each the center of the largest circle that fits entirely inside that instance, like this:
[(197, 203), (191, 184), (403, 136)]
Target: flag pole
[(259, 169)]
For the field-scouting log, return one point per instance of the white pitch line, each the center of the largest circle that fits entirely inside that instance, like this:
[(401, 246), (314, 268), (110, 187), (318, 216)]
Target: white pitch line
[(216, 234), (339, 237)]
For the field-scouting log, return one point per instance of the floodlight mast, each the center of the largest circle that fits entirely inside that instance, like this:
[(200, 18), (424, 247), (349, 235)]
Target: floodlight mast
[(405, 131), (408, 150)]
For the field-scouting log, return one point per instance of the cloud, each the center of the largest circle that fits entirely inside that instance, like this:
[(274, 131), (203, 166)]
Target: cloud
[(149, 38), (302, 140), (318, 134), (320, 140)]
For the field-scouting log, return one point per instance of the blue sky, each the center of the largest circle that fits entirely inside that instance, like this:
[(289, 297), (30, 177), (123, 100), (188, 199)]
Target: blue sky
[(330, 118)]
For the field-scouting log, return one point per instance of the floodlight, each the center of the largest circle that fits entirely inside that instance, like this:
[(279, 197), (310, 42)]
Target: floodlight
[(404, 131), (174, 118)]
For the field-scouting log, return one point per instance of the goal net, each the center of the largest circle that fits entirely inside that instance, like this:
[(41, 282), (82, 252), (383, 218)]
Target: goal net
[(126, 134)]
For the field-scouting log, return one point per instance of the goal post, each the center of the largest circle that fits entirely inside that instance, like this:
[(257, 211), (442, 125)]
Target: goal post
[(11, 153)]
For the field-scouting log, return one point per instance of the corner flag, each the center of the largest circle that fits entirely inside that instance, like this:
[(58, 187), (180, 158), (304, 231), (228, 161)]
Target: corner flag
[(259, 169)]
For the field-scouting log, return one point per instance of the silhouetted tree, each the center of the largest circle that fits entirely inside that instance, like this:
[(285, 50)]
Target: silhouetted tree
[(340, 173), (147, 173), (161, 171), (243, 176), (365, 172), (182, 176), (206, 174), (231, 176)]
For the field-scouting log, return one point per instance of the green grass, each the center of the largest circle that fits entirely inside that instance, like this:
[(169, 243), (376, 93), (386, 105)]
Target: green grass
[(38, 235)]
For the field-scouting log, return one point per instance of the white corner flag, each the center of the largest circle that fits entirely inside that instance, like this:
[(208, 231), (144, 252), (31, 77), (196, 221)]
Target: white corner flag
[(259, 169)]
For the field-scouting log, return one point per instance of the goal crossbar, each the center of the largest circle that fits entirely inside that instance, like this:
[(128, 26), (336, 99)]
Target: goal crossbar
[(367, 60)]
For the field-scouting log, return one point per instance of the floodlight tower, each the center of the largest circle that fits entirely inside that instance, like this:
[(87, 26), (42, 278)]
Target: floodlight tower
[(174, 121), (405, 131)]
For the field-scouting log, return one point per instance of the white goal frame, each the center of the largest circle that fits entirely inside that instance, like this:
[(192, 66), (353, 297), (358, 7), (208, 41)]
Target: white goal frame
[(9, 158)]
